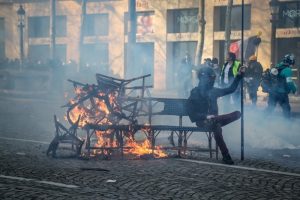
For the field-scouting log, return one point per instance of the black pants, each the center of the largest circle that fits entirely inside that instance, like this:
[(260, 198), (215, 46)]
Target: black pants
[(283, 100), (252, 90), (216, 125)]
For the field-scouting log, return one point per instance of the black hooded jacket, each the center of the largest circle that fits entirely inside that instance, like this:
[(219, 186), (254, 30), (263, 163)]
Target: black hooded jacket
[(203, 102)]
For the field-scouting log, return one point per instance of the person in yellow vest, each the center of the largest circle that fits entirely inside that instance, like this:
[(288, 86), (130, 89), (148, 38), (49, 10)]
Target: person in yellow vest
[(228, 72)]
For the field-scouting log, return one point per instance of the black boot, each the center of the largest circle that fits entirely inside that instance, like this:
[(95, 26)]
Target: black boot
[(227, 159)]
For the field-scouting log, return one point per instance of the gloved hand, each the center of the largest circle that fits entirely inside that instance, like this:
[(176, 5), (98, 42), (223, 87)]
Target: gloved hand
[(242, 70), (210, 116), (210, 120)]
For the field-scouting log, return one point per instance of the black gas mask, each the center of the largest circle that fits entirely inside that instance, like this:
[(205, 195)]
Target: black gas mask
[(206, 76)]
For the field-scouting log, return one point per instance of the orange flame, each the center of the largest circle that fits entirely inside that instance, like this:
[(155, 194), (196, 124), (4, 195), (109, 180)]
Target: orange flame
[(144, 148), (96, 111)]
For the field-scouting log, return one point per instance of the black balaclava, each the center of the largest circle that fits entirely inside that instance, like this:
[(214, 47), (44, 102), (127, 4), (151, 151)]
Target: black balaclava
[(206, 76)]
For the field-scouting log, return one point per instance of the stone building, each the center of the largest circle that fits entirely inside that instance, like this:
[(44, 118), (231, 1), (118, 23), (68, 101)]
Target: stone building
[(166, 31)]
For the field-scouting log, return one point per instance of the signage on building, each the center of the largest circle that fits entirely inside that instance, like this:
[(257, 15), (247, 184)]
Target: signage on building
[(187, 19), (221, 2), (142, 4), (289, 14), (288, 33), (235, 35), (145, 23), (225, 2), (182, 37)]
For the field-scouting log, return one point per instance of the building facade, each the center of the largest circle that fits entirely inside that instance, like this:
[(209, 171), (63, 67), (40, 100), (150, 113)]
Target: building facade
[(166, 31)]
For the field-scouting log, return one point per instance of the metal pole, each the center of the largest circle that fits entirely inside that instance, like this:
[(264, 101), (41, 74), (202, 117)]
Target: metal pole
[(21, 16), (132, 21), (273, 39), (242, 87), (53, 29), (131, 36), (21, 26), (82, 30)]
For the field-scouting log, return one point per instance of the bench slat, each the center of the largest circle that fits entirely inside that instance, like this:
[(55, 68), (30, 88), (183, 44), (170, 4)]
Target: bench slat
[(152, 127)]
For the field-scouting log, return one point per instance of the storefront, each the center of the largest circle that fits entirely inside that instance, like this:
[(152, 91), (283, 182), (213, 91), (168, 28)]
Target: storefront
[(288, 34), (166, 31)]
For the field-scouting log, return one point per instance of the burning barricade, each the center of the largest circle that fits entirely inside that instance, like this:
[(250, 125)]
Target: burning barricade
[(108, 111)]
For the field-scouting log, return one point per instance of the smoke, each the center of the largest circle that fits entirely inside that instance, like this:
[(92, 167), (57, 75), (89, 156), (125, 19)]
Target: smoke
[(264, 131)]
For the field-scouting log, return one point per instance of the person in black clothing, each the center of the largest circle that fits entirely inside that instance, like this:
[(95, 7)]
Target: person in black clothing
[(202, 106), (253, 76)]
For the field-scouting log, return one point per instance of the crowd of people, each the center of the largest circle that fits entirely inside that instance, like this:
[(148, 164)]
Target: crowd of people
[(276, 86), (215, 82)]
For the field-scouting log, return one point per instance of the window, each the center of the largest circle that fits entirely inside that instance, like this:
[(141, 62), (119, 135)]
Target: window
[(61, 52), (236, 18), (182, 21), (289, 15), (142, 64), (39, 53), (2, 38), (175, 53), (61, 26), (95, 54), (38, 26), (96, 24)]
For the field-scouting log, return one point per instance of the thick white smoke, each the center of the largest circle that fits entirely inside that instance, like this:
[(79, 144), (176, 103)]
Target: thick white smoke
[(264, 131)]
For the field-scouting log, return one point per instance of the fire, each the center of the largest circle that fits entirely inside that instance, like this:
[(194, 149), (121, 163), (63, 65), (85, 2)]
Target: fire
[(104, 139), (102, 107), (144, 148)]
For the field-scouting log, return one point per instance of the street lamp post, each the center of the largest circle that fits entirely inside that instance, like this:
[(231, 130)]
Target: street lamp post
[(21, 25), (274, 8)]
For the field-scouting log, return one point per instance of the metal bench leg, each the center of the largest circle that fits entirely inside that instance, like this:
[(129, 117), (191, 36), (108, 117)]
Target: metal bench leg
[(88, 142), (152, 141), (122, 144), (179, 143), (185, 142), (209, 144)]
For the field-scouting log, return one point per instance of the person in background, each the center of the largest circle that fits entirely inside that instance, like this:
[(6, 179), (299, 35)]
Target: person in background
[(228, 72), (217, 70), (253, 76), (185, 76), (207, 62), (279, 84)]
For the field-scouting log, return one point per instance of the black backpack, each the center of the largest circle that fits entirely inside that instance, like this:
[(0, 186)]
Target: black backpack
[(196, 105), (271, 82)]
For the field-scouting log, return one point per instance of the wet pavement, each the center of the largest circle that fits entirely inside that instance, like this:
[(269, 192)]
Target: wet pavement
[(26, 128)]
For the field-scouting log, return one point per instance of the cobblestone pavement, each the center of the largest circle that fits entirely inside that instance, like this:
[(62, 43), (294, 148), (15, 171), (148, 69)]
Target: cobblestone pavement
[(26, 172)]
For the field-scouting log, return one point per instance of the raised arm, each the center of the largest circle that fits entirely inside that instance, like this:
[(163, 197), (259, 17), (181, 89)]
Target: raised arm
[(219, 92)]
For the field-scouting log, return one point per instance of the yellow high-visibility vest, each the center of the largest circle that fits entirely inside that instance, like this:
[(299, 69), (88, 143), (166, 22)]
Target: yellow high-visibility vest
[(235, 68)]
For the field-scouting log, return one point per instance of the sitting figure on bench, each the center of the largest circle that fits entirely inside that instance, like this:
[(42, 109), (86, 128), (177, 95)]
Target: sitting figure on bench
[(202, 107)]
